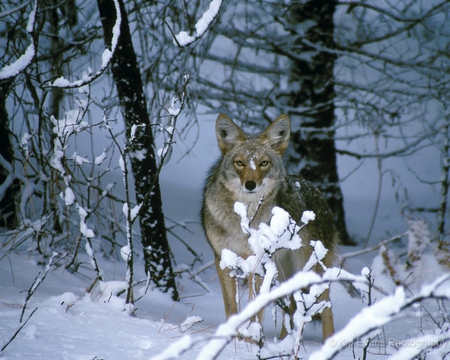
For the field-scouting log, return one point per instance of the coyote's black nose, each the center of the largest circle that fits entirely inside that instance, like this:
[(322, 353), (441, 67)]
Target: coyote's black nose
[(250, 185)]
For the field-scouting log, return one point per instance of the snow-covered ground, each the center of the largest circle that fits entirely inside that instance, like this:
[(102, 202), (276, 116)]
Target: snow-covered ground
[(68, 323)]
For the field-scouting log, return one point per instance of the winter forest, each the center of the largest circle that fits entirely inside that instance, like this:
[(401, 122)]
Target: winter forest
[(107, 116)]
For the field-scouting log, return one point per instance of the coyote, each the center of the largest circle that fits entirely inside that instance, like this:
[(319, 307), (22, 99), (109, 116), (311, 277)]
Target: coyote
[(251, 171)]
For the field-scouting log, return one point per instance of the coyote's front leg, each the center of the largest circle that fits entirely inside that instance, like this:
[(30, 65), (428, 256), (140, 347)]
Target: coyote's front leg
[(229, 292), (228, 285)]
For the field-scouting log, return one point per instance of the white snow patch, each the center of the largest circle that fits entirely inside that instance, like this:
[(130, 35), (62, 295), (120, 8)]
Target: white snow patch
[(99, 159), (184, 39), (125, 252), (68, 196)]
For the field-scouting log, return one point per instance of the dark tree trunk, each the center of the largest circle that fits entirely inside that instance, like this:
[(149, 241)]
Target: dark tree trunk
[(8, 211), (128, 81), (313, 154)]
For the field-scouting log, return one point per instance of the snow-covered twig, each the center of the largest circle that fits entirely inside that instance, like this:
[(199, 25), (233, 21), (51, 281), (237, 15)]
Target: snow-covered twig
[(183, 39), (106, 59), (228, 330), (379, 314), (14, 69), (56, 257), (422, 343), (70, 125)]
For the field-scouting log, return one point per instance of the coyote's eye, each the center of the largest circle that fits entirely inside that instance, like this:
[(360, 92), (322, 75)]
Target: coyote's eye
[(239, 163), (264, 163)]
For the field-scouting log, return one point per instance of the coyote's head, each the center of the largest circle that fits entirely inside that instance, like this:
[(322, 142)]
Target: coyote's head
[(252, 164)]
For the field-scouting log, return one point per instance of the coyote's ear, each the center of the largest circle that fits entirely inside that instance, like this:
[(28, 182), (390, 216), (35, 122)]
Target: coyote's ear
[(228, 133), (277, 134)]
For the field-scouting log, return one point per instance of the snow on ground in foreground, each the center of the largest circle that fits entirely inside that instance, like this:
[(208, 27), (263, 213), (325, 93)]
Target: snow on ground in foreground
[(70, 325)]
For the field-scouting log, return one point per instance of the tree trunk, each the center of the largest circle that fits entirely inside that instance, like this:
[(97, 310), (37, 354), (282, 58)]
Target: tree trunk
[(313, 154), (128, 81), (8, 212)]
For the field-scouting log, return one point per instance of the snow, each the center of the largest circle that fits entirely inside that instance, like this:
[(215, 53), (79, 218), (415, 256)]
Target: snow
[(319, 251), (65, 321), (135, 211), (106, 59), (189, 322), (12, 70), (308, 216), (125, 252), (84, 229), (122, 164), (68, 196), (183, 39), (79, 160), (99, 159), (25, 139), (32, 18), (163, 151), (173, 110), (125, 209)]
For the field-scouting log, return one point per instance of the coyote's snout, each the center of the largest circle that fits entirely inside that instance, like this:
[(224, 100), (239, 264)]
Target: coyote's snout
[(251, 171)]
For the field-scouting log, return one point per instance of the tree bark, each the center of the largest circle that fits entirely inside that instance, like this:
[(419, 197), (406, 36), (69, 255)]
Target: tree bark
[(9, 217), (313, 154), (128, 81)]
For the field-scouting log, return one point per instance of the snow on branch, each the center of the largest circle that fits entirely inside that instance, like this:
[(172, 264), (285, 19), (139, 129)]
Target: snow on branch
[(107, 55), (14, 69), (228, 330), (379, 314), (183, 39), (303, 279)]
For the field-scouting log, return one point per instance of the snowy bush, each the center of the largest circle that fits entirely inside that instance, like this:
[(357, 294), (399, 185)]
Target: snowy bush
[(69, 181), (412, 265)]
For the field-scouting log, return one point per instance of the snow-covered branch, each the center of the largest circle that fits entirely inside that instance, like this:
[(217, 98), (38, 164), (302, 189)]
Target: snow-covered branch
[(379, 314), (56, 257), (183, 39), (228, 330), (14, 69), (107, 55)]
